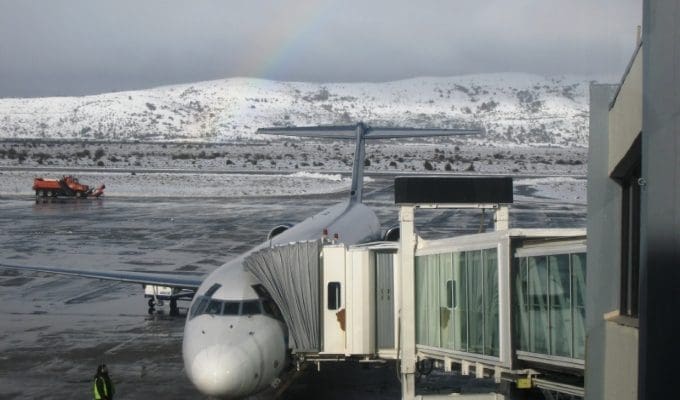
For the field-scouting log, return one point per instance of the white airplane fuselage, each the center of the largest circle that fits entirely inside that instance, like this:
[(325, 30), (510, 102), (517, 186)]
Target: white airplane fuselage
[(232, 346)]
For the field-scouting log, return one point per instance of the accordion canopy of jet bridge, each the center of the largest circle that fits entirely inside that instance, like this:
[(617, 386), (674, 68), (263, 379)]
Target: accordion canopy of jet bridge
[(290, 273)]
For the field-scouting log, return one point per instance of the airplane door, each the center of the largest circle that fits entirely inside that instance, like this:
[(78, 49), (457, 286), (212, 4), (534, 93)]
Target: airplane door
[(384, 298)]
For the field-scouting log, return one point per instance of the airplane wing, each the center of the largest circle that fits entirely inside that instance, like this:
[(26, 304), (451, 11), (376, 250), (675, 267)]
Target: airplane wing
[(191, 282)]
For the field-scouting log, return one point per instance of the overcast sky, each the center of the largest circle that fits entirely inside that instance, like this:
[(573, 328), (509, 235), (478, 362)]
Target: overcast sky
[(74, 47)]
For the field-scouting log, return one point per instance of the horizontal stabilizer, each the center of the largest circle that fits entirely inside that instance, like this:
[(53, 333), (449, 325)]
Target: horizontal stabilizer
[(145, 278), (330, 132), (360, 133), (367, 132), (390, 133)]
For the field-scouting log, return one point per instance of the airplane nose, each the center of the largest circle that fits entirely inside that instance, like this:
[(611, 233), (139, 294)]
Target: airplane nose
[(220, 372)]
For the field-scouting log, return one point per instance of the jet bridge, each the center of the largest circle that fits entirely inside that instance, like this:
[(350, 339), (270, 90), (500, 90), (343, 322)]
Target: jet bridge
[(337, 301), (506, 304)]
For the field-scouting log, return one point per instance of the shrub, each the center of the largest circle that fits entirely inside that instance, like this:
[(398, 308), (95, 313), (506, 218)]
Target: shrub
[(99, 153)]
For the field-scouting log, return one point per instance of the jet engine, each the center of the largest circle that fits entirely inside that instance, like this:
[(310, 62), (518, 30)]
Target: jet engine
[(277, 230), (391, 234)]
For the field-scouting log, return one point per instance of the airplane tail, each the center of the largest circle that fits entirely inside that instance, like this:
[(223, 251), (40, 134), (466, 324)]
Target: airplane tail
[(362, 132)]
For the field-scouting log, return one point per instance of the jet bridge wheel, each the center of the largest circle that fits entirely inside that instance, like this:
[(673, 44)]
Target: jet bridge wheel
[(151, 303), (425, 366)]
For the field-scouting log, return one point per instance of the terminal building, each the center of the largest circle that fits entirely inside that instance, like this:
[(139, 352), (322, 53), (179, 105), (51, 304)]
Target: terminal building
[(634, 220)]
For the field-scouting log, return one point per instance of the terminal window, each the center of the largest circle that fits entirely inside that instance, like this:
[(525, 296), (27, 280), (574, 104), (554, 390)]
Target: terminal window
[(630, 241)]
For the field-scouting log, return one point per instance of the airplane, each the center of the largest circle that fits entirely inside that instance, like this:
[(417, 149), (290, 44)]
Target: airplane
[(235, 340)]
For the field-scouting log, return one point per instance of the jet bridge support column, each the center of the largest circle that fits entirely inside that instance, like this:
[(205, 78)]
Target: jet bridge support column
[(407, 330)]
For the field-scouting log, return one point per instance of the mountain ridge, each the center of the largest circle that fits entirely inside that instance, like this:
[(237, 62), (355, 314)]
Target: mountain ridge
[(515, 109)]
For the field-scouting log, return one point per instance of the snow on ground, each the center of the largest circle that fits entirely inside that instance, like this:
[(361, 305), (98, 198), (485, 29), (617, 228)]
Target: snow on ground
[(325, 156), (560, 189), (125, 184), (188, 184)]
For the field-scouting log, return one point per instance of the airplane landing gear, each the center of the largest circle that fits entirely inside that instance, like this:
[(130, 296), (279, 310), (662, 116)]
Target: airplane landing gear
[(174, 309)]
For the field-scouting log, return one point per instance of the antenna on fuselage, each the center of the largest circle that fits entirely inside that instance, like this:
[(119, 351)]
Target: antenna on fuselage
[(360, 132)]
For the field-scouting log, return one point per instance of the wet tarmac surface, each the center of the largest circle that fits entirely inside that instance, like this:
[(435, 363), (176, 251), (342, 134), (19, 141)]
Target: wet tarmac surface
[(55, 330)]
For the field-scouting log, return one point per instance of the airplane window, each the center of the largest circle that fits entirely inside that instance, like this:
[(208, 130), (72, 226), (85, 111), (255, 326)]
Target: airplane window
[(231, 308), (251, 307), (214, 307)]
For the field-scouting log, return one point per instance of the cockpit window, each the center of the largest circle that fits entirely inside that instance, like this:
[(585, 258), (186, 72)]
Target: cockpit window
[(214, 307), (212, 290), (231, 308), (199, 306), (251, 307), (206, 305)]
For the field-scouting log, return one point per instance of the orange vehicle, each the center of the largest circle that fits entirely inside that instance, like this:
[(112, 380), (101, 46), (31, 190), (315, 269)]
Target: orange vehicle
[(67, 186)]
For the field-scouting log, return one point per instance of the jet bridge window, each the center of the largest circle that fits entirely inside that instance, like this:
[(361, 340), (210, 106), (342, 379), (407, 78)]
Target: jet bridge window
[(549, 298), (450, 294), (457, 305), (334, 299)]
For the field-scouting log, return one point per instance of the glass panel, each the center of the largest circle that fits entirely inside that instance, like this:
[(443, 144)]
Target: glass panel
[(433, 330), (421, 300), (446, 300), (460, 325), (491, 322), (231, 308), (251, 307), (334, 295), (475, 302), (560, 305), (538, 304), (521, 305), (578, 266)]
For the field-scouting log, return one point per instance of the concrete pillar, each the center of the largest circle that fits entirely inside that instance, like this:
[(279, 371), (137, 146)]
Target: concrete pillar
[(502, 218), (407, 331)]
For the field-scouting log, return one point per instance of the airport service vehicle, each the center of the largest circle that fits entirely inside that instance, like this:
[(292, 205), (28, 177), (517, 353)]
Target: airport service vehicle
[(67, 186), (235, 342)]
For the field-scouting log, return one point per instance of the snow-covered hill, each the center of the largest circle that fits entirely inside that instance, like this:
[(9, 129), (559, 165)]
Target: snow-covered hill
[(514, 109)]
